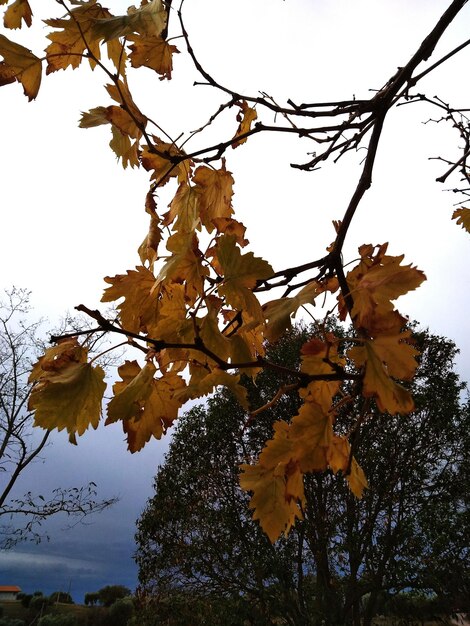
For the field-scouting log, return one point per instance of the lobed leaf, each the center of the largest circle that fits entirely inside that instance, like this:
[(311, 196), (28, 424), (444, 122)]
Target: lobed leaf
[(246, 117), (158, 160), (149, 19), (462, 216), (130, 394), (203, 385), (311, 431), (240, 274), (152, 52), (357, 479), (77, 38), (390, 396), (18, 12), (278, 313), (214, 188), (22, 65), (275, 512), (140, 292), (69, 399), (321, 357), (375, 282)]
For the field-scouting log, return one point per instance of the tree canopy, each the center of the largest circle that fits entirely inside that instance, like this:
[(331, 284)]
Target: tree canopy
[(198, 309), (111, 593), (347, 556)]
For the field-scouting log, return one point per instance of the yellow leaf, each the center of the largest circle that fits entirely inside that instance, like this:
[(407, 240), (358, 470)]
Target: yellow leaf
[(390, 280), (211, 336), (120, 93), (56, 358), (160, 411), (240, 274), (7, 74), (140, 292), (117, 54), (130, 395), (278, 449), (124, 149), (172, 324), (150, 19), (124, 127), (230, 226), (111, 115), (70, 45), (215, 194), (22, 65), (311, 432), (17, 12), (356, 479), (185, 264), (338, 454), (245, 347), (184, 208), (398, 355), (376, 281), (278, 313), (94, 117), (148, 249), (462, 216), (318, 358), (201, 386), (153, 52), (389, 395), (295, 483), (157, 160), (70, 399), (275, 512), (147, 406), (246, 117), (123, 122)]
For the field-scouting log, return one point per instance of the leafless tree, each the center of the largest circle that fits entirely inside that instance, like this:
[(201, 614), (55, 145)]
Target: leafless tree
[(20, 342)]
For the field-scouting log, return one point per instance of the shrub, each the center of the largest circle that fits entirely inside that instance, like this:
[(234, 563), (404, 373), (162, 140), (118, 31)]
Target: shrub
[(58, 620), (38, 602), (121, 611), (26, 599)]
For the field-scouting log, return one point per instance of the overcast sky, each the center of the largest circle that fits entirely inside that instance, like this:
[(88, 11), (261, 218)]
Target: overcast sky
[(71, 215)]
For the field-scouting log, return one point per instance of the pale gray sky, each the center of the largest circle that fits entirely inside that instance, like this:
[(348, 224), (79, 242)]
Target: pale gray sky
[(73, 216)]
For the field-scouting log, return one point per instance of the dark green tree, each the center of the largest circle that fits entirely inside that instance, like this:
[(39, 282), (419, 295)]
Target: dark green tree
[(92, 598), (109, 594), (61, 596), (197, 534), (410, 531)]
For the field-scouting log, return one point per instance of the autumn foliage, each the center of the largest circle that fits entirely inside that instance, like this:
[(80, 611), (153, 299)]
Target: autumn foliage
[(197, 305)]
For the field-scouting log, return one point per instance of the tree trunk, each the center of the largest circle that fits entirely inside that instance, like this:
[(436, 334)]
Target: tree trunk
[(328, 607)]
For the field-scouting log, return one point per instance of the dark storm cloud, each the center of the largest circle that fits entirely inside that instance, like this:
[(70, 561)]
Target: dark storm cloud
[(86, 556)]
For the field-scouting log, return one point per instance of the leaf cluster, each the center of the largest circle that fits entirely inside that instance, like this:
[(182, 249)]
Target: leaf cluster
[(197, 307)]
